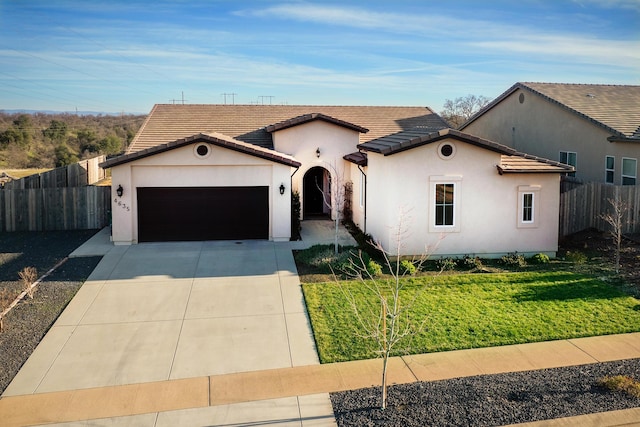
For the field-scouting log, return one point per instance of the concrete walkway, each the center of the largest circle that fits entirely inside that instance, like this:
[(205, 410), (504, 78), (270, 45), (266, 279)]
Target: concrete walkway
[(215, 333)]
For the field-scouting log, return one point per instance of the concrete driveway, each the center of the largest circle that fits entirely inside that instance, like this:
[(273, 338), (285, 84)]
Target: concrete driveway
[(160, 311)]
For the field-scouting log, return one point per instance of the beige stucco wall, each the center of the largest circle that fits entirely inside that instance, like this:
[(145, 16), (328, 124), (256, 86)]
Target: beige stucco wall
[(542, 128), (401, 188), (334, 143), (182, 168)]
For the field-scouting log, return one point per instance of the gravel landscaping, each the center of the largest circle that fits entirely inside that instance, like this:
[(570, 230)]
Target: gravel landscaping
[(490, 400), (30, 319)]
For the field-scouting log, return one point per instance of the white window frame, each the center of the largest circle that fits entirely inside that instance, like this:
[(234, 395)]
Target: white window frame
[(566, 162), (534, 191), (608, 170), (457, 186), (634, 176)]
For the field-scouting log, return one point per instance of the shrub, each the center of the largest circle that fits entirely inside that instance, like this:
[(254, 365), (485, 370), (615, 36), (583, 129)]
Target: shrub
[(295, 215), (576, 257), (374, 268), (514, 259), (540, 258), (446, 264), (471, 263), (621, 383), (407, 267)]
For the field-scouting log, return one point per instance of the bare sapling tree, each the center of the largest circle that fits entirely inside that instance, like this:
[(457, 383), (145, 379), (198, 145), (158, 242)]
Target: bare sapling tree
[(335, 201), (387, 322), (618, 220)]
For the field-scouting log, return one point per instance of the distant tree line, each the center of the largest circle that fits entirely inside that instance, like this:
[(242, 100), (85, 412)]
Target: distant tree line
[(52, 140), (458, 111)]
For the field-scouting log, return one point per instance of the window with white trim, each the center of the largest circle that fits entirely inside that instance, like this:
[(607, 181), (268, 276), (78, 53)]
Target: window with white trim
[(569, 158), (609, 169), (444, 204), (444, 207), (528, 196), (629, 171), (527, 207)]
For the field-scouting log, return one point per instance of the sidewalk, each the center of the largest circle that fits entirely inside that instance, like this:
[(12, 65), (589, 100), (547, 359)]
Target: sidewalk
[(173, 399)]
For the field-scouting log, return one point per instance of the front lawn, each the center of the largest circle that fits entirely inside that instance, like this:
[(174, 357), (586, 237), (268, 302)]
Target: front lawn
[(477, 310)]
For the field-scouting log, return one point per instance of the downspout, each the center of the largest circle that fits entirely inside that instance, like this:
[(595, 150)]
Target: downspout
[(365, 198)]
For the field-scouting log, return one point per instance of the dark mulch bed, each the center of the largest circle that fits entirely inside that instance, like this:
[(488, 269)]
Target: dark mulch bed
[(28, 322), (490, 400)]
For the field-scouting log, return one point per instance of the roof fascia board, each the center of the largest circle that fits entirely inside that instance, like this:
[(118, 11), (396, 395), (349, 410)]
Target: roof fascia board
[(304, 119), (127, 158)]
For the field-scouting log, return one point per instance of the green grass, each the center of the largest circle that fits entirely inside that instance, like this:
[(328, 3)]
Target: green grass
[(477, 310)]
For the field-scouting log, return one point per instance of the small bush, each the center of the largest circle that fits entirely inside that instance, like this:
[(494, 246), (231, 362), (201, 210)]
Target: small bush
[(576, 257), (407, 267), (471, 263), (374, 268), (28, 275), (621, 383), (540, 258), (514, 259), (446, 264)]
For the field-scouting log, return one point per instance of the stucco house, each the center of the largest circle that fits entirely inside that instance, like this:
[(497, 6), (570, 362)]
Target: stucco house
[(595, 128), (209, 172)]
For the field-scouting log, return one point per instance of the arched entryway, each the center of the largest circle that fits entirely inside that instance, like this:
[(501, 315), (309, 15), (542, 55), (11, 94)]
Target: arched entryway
[(316, 188)]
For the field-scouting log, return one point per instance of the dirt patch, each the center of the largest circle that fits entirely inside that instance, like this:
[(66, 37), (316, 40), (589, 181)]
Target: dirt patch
[(600, 250)]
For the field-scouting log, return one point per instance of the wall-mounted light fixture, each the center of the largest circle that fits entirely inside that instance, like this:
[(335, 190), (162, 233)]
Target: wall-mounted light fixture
[(318, 152), (119, 191), (281, 188)]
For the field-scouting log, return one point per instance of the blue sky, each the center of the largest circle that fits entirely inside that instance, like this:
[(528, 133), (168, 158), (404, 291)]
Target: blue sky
[(126, 56)]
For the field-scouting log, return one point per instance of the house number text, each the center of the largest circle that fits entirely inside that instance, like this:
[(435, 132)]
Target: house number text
[(122, 205)]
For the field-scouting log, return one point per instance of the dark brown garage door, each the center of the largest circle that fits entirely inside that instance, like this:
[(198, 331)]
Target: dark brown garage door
[(202, 213)]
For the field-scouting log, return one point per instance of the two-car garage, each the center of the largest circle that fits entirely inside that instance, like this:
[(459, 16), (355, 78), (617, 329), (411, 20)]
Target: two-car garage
[(201, 188), (202, 213)]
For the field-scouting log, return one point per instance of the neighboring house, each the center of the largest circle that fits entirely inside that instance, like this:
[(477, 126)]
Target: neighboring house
[(595, 128), (209, 172)]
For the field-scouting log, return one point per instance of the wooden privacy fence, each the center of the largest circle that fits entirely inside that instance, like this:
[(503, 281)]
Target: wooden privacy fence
[(85, 172), (582, 207), (44, 209)]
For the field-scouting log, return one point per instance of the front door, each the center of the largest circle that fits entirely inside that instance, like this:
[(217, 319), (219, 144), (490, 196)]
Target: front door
[(315, 191)]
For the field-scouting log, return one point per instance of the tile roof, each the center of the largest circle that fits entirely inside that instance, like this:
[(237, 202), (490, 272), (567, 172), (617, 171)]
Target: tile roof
[(248, 123), (615, 108), (359, 158), (511, 160), (213, 138)]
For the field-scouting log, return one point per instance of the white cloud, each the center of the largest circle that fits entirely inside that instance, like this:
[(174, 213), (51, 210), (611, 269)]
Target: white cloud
[(611, 4)]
